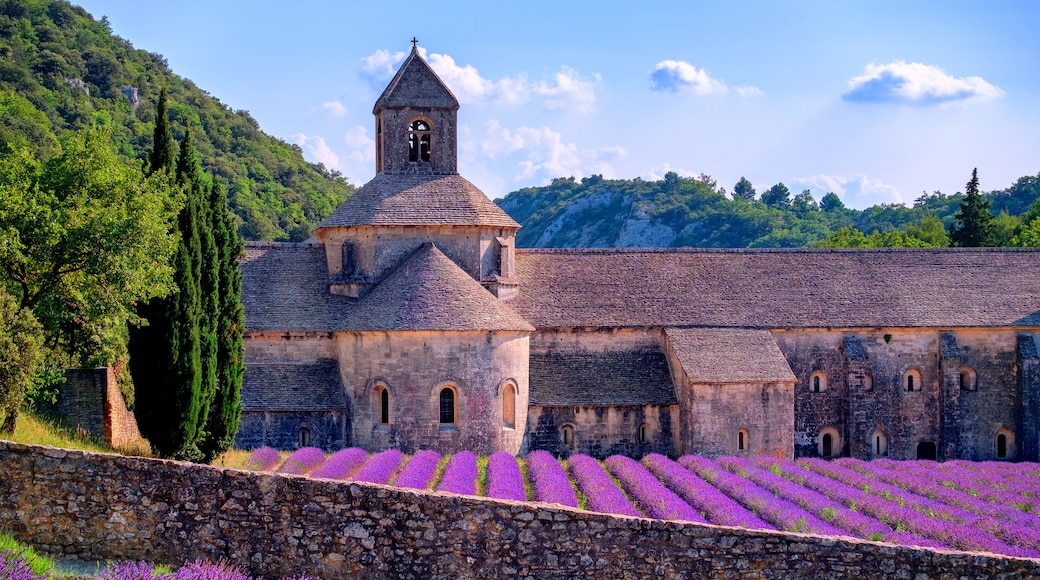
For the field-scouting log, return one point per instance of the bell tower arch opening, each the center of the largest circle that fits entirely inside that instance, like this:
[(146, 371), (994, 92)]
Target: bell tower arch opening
[(420, 140)]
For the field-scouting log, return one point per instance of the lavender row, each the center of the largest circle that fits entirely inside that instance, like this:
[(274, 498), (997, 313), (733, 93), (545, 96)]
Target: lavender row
[(813, 501), (460, 475), (656, 500), (981, 481), (1016, 527), (715, 506), (380, 467), (602, 493), (781, 513), (549, 479), (504, 480), (914, 513), (341, 464), (263, 459), (419, 470), (197, 570), (302, 461)]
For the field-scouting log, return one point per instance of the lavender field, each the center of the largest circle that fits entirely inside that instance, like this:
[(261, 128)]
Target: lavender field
[(960, 505)]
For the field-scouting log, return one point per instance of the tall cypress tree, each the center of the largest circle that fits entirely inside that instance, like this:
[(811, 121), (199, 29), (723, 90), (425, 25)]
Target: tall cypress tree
[(226, 409), (973, 225), (163, 156)]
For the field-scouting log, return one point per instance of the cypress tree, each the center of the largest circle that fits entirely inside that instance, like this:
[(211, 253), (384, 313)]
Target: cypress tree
[(973, 225), (162, 157), (226, 409)]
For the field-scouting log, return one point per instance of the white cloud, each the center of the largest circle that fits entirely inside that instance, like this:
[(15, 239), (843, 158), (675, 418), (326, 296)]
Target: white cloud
[(314, 147), (677, 75), (917, 83), (361, 147), (746, 92), (566, 90), (658, 172), (857, 191), (543, 154), (334, 108)]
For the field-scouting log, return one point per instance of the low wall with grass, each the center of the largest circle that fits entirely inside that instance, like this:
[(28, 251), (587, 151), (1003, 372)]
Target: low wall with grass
[(101, 506)]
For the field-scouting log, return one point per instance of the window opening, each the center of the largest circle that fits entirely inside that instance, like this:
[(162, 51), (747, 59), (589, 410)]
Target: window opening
[(828, 443), (305, 437), (447, 410), (568, 435), (509, 407), (742, 440), (880, 444), (384, 405), (816, 384), (644, 433), (420, 135), (926, 450), (1002, 446), (868, 382)]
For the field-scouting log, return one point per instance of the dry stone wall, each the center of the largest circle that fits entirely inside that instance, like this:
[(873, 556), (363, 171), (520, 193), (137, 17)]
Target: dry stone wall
[(101, 506)]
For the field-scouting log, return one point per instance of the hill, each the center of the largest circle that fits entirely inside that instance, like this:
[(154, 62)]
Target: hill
[(61, 70), (695, 212)]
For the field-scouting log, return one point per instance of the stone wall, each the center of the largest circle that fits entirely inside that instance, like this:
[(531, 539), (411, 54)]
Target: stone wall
[(602, 431), (90, 400), (100, 506)]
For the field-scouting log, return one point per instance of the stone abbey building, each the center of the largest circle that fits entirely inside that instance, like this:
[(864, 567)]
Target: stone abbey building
[(414, 322)]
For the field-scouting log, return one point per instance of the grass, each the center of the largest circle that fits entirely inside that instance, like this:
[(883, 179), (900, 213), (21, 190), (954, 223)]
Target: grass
[(233, 458), (32, 429), (39, 564)]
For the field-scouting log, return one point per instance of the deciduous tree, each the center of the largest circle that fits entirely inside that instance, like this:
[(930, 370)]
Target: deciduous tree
[(21, 355)]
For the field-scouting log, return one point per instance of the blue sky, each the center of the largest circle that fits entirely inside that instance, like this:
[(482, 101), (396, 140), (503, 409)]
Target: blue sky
[(876, 101)]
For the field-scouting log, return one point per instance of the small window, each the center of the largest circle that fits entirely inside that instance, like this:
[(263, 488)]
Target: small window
[(868, 382), (568, 434), (742, 440), (348, 258), (1005, 444), (384, 405), (879, 444), (967, 379), (447, 406), (926, 450), (509, 407), (818, 381), (912, 380), (644, 433), (305, 437), (829, 442), (420, 135)]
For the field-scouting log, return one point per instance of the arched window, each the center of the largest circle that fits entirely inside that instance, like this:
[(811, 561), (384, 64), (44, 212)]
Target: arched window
[(868, 382), (568, 434), (879, 444), (509, 407), (447, 406), (818, 381), (968, 379), (384, 405), (420, 135), (644, 433), (305, 437), (742, 440), (912, 380), (1005, 444), (829, 442)]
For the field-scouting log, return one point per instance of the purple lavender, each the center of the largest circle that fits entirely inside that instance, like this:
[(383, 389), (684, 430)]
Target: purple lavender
[(460, 475), (302, 461), (13, 567), (779, 512), (715, 506), (602, 493), (380, 467), (549, 479), (419, 470), (199, 570), (504, 480), (656, 500), (132, 571), (263, 459), (341, 464)]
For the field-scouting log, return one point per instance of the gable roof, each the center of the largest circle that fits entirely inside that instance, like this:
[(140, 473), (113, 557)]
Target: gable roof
[(285, 288), (631, 377), (991, 287), (729, 355), (293, 387), (416, 85), (419, 200)]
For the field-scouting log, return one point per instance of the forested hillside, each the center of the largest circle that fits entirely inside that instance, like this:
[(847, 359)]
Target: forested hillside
[(61, 70), (697, 212)]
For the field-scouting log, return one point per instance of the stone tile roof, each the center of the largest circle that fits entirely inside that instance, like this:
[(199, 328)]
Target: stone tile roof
[(393, 199), (416, 85), (729, 355), (293, 387), (285, 289), (779, 288), (631, 377)]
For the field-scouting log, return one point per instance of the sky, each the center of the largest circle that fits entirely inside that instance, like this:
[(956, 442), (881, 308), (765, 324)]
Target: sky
[(876, 101)]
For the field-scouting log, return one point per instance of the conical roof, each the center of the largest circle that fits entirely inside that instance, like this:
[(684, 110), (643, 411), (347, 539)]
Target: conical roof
[(428, 291), (418, 200), (416, 85)]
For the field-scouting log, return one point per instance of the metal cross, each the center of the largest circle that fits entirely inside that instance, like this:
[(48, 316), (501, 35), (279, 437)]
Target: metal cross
[(414, 42)]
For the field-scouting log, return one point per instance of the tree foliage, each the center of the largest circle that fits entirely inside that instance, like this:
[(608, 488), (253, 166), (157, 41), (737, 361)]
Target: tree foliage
[(744, 190), (21, 357), (973, 226)]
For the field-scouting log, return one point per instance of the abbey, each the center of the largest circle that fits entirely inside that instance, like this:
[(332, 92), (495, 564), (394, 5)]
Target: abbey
[(413, 322)]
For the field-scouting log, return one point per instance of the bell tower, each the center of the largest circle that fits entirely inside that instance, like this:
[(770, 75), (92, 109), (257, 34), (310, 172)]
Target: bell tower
[(416, 122)]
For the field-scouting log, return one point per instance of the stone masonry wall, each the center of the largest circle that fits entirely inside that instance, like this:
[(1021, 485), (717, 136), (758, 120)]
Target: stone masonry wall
[(91, 400), (101, 506)]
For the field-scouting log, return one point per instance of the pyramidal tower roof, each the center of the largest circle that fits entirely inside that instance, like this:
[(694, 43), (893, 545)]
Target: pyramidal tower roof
[(416, 85)]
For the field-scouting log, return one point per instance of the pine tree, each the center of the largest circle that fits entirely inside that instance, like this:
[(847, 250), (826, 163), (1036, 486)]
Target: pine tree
[(973, 225), (162, 157), (224, 414)]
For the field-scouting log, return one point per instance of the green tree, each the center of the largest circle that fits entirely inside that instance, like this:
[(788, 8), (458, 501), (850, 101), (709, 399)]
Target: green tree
[(21, 357), (744, 190), (226, 409), (83, 236), (163, 157), (830, 202), (973, 225), (777, 196), (931, 231)]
